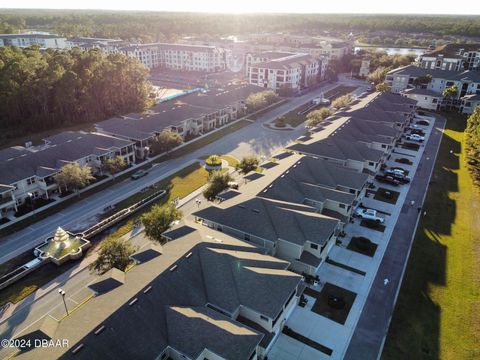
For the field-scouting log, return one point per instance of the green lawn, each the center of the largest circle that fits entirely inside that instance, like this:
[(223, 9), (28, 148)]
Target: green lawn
[(438, 311), (264, 111), (293, 118)]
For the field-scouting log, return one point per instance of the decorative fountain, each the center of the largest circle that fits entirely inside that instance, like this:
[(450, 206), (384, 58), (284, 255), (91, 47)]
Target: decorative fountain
[(63, 246)]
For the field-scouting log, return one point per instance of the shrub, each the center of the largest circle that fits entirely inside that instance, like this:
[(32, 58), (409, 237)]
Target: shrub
[(217, 182), (280, 122), (247, 164), (315, 117), (342, 101), (213, 160)]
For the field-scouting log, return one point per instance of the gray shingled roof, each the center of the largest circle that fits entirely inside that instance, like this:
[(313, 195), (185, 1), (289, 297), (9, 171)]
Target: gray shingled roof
[(415, 71), (17, 164), (335, 148), (273, 220), (174, 309)]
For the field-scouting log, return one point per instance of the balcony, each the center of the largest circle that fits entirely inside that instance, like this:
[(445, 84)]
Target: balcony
[(6, 200)]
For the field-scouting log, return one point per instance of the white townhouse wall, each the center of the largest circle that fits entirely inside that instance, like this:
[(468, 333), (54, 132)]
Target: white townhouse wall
[(43, 40)]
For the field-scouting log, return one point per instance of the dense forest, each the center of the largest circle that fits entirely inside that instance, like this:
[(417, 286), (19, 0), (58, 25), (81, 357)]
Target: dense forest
[(41, 90), (158, 26)]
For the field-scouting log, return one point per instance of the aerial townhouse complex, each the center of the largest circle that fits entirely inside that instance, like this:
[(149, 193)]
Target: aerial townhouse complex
[(41, 39), (28, 172), (191, 115), (430, 93), (279, 70), (202, 295), (455, 57)]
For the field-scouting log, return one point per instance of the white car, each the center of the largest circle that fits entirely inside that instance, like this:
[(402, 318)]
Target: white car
[(369, 214), (415, 137)]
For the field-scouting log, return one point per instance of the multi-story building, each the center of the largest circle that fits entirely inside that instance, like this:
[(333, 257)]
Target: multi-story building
[(454, 57), (203, 295), (467, 82), (190, 115), (41, 39), (178, 56), (108, 46), (28, 172), (283, 71)]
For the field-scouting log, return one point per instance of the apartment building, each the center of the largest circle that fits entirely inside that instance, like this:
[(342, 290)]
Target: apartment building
[(291, 72), (28, 172), (454, 57), (181, 57), (333, 190), (293, 231), (41, 39), (203, 295), (467, 82), (109, 46), (190, 115), (426, 99)]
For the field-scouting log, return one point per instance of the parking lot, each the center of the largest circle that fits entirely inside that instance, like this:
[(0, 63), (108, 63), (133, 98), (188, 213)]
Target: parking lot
[(352, 266)]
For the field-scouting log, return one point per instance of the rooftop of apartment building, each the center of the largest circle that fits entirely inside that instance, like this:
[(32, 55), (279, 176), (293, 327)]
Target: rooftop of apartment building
[(164, 302), (415, 71), (18, 163), (452, 50), (30, 35), (173, 112), (287, 62)]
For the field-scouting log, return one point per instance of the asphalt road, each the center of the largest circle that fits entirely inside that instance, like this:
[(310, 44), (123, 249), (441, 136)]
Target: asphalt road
[(254, 138), (372, 328)]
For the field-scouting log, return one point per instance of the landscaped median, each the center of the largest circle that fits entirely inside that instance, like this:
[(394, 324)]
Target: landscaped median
[(437, 315)]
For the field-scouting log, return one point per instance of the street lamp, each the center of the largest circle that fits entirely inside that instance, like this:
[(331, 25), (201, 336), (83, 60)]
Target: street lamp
[(62, 294)]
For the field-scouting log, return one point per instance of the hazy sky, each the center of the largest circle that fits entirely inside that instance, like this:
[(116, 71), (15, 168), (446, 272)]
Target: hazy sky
[(241, 6)]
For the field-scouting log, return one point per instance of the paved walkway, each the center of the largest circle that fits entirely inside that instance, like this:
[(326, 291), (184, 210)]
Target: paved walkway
[(369, 336)]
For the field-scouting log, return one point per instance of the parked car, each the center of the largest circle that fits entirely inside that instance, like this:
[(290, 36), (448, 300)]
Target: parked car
[(415, 137), (139, 174), (387, 179), (398, 175), (369, 214), (414, 130), (423, 122)]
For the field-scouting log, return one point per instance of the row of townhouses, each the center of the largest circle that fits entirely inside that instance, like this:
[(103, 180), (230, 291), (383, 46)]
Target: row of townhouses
[(301, 202), (190, 115), (28, 172), (430, 94), (202, 295), (284, 70)]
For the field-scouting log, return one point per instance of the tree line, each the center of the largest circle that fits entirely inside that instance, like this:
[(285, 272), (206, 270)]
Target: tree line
[(159, 26), (42, 90)]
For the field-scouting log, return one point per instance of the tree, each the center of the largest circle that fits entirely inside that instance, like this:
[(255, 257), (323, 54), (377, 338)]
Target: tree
[(472, 140), (260, 100), (159, 219), (422, 80), (114, 165), (378, 75), (114, 253), (342, 101), (73, 176), (281, 121), (315, 117), (247, 164), (217, 182), (383, 87), (166, 141), (450, 93)]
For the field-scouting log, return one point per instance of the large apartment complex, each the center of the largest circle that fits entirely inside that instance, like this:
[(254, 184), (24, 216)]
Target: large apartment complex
[(41, 39), (454, 57), (283, 70), (430, 93)]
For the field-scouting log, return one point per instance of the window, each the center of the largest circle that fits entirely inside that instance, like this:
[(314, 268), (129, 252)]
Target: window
[(264, 318), (341, 206), (371, 163), (31, 181), (246, 237), (352, 191), (314, 246)]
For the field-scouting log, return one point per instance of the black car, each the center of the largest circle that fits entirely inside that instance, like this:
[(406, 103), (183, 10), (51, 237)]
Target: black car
[(387, 179), (398, 176)]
